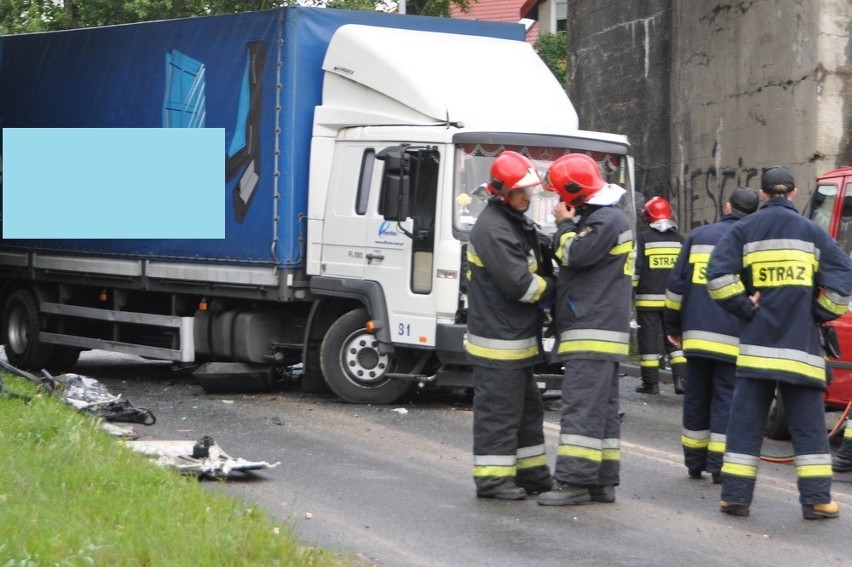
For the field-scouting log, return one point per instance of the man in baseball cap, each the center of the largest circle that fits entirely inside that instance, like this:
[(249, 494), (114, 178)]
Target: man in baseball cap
[(777, 180)]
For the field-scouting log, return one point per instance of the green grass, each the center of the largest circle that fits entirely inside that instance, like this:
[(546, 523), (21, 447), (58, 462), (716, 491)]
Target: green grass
[(72, 495)]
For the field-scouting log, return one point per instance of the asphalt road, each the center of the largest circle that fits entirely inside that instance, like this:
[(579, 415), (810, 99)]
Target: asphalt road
[(392, 486)]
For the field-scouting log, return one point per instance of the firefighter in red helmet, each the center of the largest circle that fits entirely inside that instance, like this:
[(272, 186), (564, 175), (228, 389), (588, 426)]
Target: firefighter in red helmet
[(506, 282), (657, 250), (593, 245)]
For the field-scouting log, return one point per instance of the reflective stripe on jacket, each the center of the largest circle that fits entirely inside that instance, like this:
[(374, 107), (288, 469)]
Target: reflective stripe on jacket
[(656, 253), (707, 330), (504, 322), (803, 277), (593, 303)]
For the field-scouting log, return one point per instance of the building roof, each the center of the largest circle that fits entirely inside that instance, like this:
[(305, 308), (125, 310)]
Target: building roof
[(501, 11)]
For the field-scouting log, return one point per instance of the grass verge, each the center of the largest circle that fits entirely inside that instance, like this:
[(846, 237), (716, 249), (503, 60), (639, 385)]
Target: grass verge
[(70, 494)]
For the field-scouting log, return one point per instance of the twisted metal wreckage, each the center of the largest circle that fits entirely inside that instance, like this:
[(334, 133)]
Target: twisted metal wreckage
[(203, 458)]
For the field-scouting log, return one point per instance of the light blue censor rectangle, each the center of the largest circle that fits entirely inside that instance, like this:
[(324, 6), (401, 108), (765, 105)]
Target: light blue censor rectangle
[(107, 183)]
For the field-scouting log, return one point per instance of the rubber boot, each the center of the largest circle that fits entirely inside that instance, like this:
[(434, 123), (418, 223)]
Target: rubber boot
[(678, 377), (842, 461), (650, 381)]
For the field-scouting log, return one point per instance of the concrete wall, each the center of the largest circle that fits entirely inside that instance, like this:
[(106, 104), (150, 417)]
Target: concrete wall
[(618, 76), (748, 84)]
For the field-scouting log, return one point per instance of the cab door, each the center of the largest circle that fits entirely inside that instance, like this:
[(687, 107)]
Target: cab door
[(345, 227), (401, 236)]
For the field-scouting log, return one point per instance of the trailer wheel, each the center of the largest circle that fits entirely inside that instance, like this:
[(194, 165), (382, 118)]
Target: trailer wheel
[(21, 327), (353, 367), (777, 426)]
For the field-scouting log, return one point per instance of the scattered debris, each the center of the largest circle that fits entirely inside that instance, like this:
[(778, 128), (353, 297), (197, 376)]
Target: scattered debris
[(86, 395), (400, 411), (203, 457), (90, 396)]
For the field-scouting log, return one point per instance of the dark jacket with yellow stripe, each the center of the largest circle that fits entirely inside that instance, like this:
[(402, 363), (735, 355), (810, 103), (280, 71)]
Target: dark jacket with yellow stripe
[(708, 331), (593, 294), (803, 278), (656, 253), (504, 258)]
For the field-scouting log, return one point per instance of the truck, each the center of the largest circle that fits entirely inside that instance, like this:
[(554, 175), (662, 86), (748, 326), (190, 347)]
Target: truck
[(830, 206), (357, 146)]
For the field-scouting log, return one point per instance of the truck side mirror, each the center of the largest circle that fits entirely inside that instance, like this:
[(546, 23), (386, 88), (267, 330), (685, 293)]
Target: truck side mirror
[(395, 203)]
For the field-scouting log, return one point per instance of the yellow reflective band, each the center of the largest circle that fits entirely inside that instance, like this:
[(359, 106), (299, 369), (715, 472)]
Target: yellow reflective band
[(697, 444), (474, 259), (782, 273), (784, 365), (575, 451), (745, 471), (650, 363), (611, 454), (663, 251), (678, 360), (785, 255), (623, 248), (536, 288), (711, 346), (531, 462), (492, 470), (629, 265), (716, 446), (847, 433), (727, 291), (699, 257), (502, 354), (829, 305), (813, 471), (593, 346), (673, 305), (651, 303), (563, 241)]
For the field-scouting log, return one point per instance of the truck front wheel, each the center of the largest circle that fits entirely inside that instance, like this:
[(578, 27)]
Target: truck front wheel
[(354, 368), (21, 327)]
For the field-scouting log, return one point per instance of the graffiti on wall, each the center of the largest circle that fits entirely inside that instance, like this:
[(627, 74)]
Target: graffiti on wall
[(698, 195)]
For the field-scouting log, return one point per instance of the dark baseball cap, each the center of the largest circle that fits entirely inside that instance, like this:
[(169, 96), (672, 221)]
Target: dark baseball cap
[(744, 199), (777, 175)]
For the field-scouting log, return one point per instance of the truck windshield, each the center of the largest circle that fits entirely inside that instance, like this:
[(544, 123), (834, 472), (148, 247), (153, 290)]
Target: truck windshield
[(472, 172)]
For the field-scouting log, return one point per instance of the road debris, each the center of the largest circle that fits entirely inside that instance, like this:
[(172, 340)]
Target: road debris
[(203, 457), (87, 395)]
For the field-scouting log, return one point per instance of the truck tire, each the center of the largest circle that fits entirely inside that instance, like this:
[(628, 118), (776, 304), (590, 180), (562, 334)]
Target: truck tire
[(353, 367), (777, 426), (21, 327)]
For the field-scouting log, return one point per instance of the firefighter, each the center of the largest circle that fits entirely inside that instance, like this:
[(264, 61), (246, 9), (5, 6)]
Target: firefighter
[(842, 461), (593, 245), (656, 252), (504, 336), (783, 275), (709, 336)]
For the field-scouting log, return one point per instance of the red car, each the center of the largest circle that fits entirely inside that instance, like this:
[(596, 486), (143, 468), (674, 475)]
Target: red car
[(830, 207)]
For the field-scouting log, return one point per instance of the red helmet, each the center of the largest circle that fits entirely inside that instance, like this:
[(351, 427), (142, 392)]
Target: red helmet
[(658, 208), (575, 177), (510, 170)]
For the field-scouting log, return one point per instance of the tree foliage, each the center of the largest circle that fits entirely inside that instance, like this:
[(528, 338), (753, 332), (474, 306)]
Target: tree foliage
[(17, 16), (553, 50)]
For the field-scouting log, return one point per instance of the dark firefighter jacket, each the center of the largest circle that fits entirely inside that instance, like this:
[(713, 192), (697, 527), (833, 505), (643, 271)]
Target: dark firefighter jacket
[(504, 260), (656, 253), (803, 278), (707, 330), (594, 285)]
